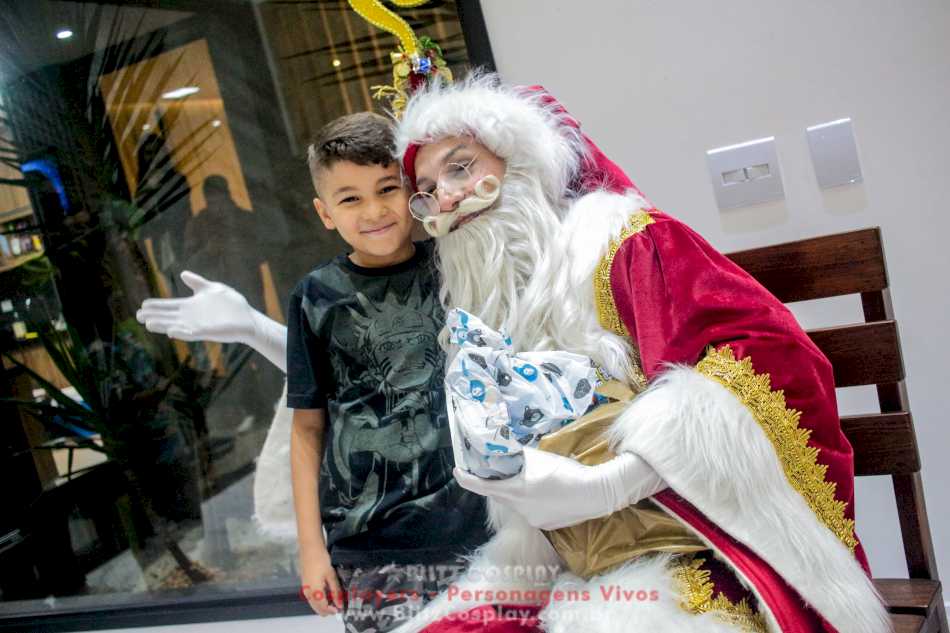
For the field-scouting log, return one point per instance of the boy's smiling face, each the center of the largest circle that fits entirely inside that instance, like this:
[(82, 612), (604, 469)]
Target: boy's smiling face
[(369, 206)]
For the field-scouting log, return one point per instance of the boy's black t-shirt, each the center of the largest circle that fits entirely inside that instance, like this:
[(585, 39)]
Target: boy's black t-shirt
[(362, 343)]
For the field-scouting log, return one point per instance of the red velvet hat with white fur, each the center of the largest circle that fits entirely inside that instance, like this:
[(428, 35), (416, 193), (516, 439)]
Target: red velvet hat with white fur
[(525, 126)]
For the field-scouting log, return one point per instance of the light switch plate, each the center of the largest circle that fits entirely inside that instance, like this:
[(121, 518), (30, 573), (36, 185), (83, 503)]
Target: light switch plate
[(745, 173), (834, 153)]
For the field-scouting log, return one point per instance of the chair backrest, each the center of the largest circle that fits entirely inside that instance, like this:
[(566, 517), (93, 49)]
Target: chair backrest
[(864, 353)]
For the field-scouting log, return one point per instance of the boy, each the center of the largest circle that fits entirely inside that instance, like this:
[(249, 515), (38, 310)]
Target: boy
[(365, 380)]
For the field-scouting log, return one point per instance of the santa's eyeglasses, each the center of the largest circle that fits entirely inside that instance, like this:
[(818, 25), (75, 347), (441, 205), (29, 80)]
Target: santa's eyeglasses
[(454, 181)]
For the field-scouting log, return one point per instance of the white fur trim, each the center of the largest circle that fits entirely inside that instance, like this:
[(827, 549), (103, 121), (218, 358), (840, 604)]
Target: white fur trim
[(273, 487), (602, 606), (511, 562), (514, 124), (519, 558), (701, 439), (592, 223)]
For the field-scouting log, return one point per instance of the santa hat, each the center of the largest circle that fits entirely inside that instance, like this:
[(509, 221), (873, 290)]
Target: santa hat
[(524, 126)]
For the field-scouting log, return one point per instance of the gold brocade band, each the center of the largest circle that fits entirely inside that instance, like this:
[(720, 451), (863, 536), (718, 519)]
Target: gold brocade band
[(607, 314), (696, 595), (598, 545), (781, 426), (603, 292)]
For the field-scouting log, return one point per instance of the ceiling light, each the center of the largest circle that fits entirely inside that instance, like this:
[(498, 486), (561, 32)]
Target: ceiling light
[(180, 93), (216, 123), (336, 63), (64, 34), (146, 127)]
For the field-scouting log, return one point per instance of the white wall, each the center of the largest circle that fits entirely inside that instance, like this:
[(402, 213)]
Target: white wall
[(658, 83)]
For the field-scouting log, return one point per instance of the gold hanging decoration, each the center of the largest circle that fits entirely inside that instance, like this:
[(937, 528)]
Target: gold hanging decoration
[(418, 60)]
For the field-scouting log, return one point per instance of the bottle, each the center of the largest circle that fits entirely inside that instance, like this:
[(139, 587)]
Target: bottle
[(19, 327)]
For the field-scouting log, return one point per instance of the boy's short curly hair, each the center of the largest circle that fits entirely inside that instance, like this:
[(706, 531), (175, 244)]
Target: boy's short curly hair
[(364, 138)]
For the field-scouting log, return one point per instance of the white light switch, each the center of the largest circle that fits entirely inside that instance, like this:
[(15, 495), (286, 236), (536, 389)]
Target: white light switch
[(834, 153), (745, 173)]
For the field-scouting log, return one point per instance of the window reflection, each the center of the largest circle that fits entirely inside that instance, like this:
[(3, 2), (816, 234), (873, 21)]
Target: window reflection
[(147, 142)]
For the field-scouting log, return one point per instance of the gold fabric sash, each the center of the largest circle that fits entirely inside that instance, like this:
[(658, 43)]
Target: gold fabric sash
[(598, 545)]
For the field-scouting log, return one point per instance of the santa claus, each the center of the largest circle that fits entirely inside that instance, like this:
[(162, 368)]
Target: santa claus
[(733, 436), (737, 436)]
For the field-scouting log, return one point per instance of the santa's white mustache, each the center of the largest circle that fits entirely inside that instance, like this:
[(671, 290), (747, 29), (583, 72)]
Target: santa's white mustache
[(485, 195)]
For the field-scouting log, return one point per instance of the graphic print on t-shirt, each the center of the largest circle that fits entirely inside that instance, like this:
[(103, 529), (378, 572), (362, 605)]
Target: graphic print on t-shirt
[(388, 347)]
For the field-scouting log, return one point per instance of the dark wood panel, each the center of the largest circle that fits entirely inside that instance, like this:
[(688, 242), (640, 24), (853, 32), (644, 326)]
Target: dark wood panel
[(908, 595), (884, 443), (915, 528), (862, 354), (842, 264), (904, 623)]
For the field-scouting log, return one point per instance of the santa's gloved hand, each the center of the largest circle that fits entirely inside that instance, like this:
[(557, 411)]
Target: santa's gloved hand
[(218, 313), (553, 491)]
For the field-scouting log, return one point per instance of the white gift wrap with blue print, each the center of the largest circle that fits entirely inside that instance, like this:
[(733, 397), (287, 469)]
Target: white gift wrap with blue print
[(502, 401)]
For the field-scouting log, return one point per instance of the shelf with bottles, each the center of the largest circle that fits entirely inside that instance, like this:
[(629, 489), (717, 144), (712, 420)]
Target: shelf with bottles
[(20, 241), (24, 310), (15, 329), (12, 262)]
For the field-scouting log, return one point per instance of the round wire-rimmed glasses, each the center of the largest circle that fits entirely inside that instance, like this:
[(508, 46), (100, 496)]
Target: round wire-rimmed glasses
[(454, 179)]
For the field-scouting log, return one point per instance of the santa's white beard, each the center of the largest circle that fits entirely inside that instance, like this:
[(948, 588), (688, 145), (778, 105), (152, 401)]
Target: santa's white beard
[(508, 267), (487, 264)]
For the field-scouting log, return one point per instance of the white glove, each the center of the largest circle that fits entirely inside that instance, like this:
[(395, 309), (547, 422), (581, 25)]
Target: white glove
[(218, 313), (553, 491)]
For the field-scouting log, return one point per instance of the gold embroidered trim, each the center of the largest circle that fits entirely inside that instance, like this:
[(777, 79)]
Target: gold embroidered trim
[(603, 294), (798, 459), (696, 596), (607, 313)]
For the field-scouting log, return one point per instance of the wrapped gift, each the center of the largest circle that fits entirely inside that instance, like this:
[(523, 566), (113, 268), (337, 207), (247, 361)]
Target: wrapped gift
[(503, 401)]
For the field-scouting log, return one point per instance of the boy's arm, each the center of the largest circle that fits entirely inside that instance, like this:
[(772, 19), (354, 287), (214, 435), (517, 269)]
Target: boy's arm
[(319, 582)]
